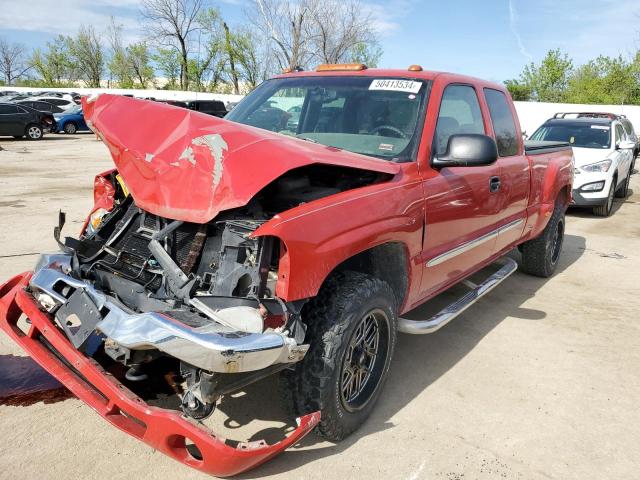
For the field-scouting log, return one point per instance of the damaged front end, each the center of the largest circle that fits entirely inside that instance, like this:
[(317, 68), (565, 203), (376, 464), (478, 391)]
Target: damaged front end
[(141, 287)]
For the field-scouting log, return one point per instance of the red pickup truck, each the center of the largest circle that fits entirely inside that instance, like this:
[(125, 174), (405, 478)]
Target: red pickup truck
[(291, 237)]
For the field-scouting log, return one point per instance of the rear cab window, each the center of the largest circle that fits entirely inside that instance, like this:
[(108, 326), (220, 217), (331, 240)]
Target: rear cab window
[(504, 124)]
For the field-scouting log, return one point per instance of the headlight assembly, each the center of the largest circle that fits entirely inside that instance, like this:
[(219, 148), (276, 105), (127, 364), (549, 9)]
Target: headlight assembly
[(601, 167)]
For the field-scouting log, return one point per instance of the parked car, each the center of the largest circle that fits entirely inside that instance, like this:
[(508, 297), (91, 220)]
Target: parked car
[(19, 121), (72, 121), (226, 253), (626, 124), (210, 107), (63, 103), (603, 157), (175, 103), (41, 106)]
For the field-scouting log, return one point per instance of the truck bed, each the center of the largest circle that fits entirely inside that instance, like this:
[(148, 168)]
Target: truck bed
[(537, 147)]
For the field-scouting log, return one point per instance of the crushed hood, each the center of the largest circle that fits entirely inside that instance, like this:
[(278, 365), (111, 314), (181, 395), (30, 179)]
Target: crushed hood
[(189, 166)]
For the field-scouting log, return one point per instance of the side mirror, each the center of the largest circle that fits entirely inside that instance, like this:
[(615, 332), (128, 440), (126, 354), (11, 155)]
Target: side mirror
[(468, 150), (625, 144)]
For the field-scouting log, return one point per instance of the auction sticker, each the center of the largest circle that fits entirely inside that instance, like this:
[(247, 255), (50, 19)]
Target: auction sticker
[(409, 86)]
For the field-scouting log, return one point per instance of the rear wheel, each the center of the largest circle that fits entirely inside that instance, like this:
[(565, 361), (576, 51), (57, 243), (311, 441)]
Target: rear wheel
[(604, 210), (34, 132), (352, 331), (70, 128), (540, 255)]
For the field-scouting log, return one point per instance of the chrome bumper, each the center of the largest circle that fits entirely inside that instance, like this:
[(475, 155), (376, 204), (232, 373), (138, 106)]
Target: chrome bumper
[(214, 347)]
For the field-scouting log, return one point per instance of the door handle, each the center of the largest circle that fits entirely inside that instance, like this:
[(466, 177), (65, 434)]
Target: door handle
[(494, 184)]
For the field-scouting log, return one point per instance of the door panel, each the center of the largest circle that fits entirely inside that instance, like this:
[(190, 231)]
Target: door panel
[(461, 211), (515, 171)]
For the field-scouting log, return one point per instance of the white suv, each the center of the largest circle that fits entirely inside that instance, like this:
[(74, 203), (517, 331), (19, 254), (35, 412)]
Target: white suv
[(603, 157)]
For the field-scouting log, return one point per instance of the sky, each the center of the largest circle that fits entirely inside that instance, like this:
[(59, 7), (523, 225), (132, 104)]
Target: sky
[(491, 39)]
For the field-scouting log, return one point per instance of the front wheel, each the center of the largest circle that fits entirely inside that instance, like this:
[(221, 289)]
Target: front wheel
[(70, 128), (540, 255), (352, 331), (604, 210)]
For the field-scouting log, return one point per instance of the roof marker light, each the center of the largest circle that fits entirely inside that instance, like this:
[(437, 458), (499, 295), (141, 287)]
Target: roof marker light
[(341, 67)]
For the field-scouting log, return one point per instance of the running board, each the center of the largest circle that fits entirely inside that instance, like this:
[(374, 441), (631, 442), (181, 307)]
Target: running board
[(444, 316)]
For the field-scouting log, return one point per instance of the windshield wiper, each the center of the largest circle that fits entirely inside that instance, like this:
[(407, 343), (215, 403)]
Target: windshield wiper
[(307, 139)]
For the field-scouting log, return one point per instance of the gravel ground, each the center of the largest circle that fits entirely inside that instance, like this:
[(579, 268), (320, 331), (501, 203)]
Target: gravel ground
[(540, 379)]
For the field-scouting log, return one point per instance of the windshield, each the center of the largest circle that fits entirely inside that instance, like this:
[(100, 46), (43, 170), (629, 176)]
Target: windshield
[(379, 117), (578, 135)]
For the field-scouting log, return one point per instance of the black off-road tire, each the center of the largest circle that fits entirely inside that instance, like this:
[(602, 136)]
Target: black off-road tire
[(623, 191), (540, 255), (342, 305), (605, 209)]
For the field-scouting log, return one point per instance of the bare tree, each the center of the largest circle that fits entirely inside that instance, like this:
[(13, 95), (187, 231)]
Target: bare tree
[(253, 56), (288, 25), (171, 24), (118, 65), (327, 31), (339, 29), (13, 61)]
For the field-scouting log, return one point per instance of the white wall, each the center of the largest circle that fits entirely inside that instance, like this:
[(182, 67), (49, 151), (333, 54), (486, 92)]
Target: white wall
[(534, 114)]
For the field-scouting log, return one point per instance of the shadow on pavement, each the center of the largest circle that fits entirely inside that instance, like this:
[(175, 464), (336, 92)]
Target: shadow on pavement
[(436, 353)]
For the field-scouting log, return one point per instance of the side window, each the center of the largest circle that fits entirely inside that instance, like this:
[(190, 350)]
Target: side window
[(459, 113), (619, 133), (503, 123), (7, 109)]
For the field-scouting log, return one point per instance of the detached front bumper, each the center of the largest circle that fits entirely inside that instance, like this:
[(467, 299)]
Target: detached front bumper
[(164, 430)]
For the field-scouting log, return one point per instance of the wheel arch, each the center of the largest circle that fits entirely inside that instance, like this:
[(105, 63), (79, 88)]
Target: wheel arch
[(388, 262)]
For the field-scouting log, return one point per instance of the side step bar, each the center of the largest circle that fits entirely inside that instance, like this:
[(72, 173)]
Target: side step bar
[(444, 316)]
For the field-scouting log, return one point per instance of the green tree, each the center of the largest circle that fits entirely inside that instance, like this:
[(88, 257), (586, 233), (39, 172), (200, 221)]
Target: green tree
[(549, 80), (366, 53), (118, 64), (605, 80), (519, 92), (87, 55), (168, 64), (139, 62), (54, 65)]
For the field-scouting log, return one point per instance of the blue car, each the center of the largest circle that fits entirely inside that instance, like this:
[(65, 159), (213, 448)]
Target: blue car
[(71, 121)]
